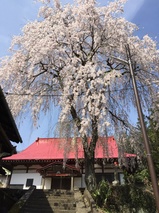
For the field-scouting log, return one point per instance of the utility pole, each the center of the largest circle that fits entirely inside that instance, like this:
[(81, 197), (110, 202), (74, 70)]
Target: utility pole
[(144, 133)]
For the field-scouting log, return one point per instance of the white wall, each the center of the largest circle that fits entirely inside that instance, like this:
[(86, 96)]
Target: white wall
[(77, 182), (21, 178), (80, 181), (47, 183)]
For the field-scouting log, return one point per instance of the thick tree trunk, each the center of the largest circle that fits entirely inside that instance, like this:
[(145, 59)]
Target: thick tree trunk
[(90, 178), (89, 150), (89, 155)]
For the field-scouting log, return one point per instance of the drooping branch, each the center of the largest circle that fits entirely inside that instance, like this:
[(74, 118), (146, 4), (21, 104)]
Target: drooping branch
[(117, 118)]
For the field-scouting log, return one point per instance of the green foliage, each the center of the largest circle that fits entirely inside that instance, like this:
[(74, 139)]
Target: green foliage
[(136, 195), (153, 134), (126, 198), (136, 145), (101, 193), (139, 177), (142, 176)]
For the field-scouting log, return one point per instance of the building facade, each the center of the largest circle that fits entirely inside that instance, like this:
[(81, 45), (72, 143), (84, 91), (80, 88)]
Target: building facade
[(54, 163)]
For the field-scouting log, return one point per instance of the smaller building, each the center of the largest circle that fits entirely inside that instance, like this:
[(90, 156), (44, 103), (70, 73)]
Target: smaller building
[(56, 163), (8, 133)]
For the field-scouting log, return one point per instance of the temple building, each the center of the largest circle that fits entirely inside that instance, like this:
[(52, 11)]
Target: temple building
[(58, 163)]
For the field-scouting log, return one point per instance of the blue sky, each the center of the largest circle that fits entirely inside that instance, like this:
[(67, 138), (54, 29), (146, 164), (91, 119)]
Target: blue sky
[(14, 14)]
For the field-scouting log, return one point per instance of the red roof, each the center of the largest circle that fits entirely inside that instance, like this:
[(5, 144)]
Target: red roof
[(57, 149)]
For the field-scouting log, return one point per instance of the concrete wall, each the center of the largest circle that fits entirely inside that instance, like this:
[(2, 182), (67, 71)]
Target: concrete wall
[(20, 178)]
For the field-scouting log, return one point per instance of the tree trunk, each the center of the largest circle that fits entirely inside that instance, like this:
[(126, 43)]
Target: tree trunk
[(89, 153), (90, 178), (89, 150)]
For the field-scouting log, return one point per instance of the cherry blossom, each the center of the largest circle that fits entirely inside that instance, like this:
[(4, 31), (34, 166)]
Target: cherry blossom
[(67, 57)]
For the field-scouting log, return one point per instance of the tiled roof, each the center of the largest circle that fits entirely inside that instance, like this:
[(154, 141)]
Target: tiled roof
[(57, 148)]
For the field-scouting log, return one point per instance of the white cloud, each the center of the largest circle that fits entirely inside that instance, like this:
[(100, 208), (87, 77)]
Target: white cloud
[(132, 7)]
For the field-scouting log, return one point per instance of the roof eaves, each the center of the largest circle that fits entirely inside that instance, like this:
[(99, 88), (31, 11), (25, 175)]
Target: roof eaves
[(3, 101)]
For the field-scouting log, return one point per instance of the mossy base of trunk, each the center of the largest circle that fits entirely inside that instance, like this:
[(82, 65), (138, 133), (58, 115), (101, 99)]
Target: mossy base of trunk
[(90, 178), (90, 182)]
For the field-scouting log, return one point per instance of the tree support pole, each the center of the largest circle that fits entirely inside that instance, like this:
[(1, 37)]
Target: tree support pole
[(145, 137)]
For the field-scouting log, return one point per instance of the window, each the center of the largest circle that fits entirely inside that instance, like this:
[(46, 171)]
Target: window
[(29, 182), (107, 176)]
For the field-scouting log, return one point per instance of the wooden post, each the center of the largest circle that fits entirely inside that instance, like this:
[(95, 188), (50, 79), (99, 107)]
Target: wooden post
[(43, 182), (72, 183)]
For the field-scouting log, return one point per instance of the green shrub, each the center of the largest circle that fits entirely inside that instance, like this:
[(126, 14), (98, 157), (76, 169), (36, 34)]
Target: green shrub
[(102, 192), (126, 198)]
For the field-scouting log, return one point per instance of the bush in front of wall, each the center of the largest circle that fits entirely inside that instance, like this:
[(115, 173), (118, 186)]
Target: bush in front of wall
[(102, 192), (124, 198)]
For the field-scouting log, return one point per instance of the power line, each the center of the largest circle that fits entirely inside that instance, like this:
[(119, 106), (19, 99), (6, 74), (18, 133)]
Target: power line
[(49, 95)]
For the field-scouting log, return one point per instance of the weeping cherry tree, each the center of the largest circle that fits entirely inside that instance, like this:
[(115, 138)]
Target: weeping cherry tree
[(67, 57)]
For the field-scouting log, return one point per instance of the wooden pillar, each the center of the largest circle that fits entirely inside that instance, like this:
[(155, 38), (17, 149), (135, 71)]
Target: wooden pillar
[(116, 171), (43, 182), (72, 183)]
